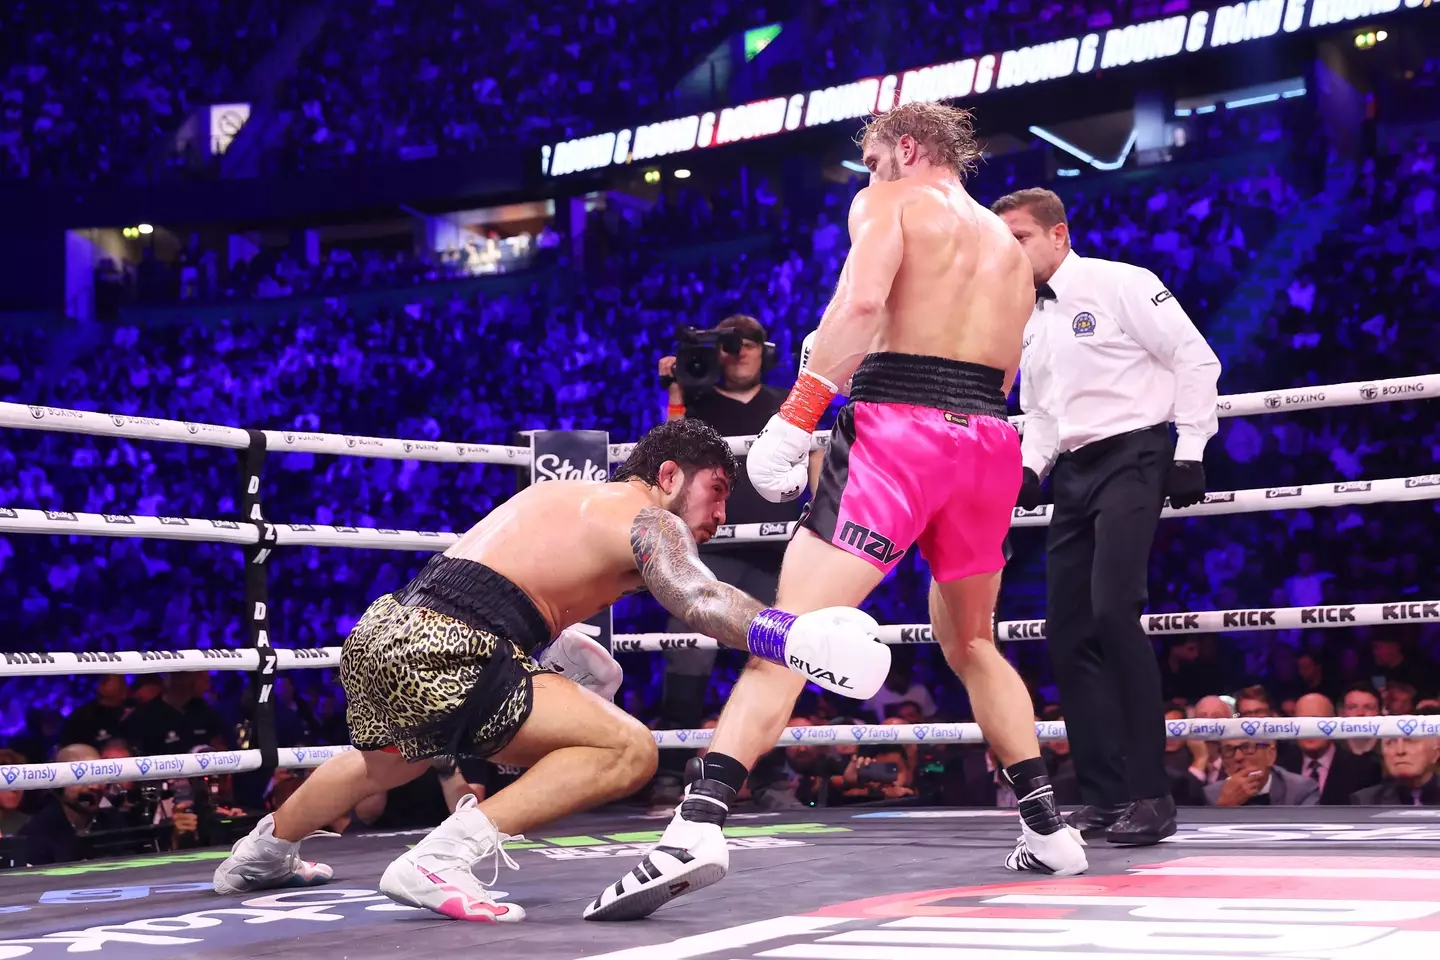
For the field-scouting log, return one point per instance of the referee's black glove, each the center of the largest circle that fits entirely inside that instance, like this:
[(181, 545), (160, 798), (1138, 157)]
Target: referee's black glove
[(1030, 495), (1185, 483)]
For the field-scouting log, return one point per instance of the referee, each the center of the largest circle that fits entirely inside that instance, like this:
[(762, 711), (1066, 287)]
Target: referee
[(1110, 361)]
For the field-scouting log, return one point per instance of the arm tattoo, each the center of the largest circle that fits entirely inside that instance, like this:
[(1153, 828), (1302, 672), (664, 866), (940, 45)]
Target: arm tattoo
[(668, 559)]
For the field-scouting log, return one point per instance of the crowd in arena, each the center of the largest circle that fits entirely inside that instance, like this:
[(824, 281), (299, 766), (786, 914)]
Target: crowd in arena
[(99, 94)]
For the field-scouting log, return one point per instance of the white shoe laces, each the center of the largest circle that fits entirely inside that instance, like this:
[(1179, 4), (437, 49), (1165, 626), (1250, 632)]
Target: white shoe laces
[(472, 850)]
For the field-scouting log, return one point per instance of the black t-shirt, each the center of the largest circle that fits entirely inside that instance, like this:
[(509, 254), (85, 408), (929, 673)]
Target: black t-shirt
[(735, 419), (156, 728), (205, 724), (91, 723)]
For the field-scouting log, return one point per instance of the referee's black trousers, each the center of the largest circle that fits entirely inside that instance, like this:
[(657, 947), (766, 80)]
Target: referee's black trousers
[(1108, 496)]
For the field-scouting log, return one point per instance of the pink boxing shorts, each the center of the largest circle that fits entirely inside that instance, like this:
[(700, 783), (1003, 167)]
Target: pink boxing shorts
[(922, 454)]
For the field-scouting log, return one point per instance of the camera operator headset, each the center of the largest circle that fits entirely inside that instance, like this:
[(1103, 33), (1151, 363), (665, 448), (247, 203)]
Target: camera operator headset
[(718, 376)]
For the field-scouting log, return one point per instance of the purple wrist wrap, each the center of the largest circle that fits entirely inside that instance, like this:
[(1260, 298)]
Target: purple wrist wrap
[(766, 637)]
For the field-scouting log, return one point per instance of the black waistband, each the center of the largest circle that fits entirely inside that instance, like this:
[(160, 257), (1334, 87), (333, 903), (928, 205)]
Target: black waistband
[(951, 385), (1097, 449), (478, 597)]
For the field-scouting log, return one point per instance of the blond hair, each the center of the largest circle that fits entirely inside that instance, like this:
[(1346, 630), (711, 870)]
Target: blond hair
[(948, 133)]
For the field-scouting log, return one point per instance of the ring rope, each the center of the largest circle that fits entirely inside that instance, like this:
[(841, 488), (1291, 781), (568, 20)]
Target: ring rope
[(60, 419), (49, 776), (45, 776), (1355, 393), (61, 663), (1154, 624), (1217, 503), (1237, 728)]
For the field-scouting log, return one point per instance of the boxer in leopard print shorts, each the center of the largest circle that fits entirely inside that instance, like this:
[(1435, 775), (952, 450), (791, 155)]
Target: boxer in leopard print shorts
[(446, 668)]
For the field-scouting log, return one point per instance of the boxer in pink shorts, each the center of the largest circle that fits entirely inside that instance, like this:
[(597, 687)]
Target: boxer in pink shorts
[(926, 326), (902, 473)]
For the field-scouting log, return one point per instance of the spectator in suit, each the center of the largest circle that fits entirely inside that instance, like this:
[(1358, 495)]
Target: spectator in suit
[(1253, 701), (1409, 775), (1206, 766), (1338, 772), (1252, 779), (1361, 700)]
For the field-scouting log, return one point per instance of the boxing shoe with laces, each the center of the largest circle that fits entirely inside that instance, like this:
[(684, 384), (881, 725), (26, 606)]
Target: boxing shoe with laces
[(690, 856), (262, 861), (1047, 844), (438, 872)]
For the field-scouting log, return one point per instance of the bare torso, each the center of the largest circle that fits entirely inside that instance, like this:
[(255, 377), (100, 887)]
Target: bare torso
[(565, 543), (964, 290)]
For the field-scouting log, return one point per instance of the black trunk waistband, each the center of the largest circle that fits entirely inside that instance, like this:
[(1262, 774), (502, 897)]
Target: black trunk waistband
[(951, 385), (478, 597)]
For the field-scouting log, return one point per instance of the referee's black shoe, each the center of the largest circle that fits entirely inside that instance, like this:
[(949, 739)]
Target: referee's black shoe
[(1146, 823), (1093, 820)]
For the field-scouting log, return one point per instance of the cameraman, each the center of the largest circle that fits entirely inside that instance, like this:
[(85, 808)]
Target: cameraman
[(739, 404)]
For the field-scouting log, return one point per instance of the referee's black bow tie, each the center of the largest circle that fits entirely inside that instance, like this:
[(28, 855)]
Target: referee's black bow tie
[(1043, 292)]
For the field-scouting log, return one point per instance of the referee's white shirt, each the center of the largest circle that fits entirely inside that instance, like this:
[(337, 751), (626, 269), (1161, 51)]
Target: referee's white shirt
[(1114, 352)]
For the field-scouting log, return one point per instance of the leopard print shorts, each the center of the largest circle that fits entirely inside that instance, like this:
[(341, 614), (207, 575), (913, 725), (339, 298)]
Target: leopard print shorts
[(430, 685)]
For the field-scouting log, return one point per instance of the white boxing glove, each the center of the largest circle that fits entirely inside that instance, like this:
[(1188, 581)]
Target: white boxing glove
[(834, 648), (574, 655), (778, 461)]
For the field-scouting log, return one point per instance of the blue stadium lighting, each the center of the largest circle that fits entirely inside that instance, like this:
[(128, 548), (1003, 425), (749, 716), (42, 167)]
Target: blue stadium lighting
[(1209, 109), (1182, 111), (1067, 172), (1251, 101), (1293, 93), (1081, 155), (853, 166)]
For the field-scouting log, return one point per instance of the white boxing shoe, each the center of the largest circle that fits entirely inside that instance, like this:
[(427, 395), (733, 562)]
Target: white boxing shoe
[(261, 861), (690, 856), (1060, 854), (438, 872)]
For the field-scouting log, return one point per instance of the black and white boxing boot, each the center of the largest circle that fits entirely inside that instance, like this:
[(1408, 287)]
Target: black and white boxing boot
[(1046, 844), (690, 855)]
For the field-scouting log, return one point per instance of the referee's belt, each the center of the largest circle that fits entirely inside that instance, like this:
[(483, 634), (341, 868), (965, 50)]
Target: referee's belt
[(1099, 449)]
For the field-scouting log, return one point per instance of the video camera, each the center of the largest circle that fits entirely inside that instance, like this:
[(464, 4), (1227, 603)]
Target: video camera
[(697, 360)]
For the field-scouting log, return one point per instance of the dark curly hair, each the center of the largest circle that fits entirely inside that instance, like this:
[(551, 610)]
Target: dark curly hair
[(693, 444)]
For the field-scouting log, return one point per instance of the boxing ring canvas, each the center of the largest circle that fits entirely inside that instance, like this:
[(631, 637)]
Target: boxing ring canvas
[(860, 883)]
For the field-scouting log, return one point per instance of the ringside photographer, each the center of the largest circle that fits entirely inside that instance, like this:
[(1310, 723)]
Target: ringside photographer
[(718, 376)]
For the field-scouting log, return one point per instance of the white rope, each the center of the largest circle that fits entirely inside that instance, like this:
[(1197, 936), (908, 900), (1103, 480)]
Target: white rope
[(64, 523), (1154, 624), (62, 664), (439, 451), (60, 419), (1358, 392), (63, 420), (1217, 503), (49, 776), (1268, 728)]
